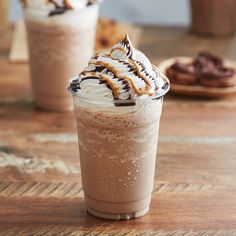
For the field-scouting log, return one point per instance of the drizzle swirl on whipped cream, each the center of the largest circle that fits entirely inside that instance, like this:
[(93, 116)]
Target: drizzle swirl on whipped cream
[(56, 7), (121, 77)]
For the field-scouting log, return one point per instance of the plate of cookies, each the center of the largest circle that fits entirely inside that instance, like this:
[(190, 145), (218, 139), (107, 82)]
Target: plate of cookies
[(205, 75)]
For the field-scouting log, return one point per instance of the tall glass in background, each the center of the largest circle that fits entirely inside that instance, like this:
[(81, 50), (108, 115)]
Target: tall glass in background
[(59, 47), (213, 17)]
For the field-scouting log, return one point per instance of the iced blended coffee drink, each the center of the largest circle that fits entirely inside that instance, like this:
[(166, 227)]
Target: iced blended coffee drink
[(61, 37), (118, 104)]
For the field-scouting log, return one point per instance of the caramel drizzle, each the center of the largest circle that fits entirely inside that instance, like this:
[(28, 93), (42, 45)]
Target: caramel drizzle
[(119, 49), (112, 85), (67, 4), (116, 74), (114, 88), (143, 77), (138, 91), (129, 81), (126, 43)]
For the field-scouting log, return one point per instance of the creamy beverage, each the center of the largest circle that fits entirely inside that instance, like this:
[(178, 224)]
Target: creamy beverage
[(118, 104), (61, 37)]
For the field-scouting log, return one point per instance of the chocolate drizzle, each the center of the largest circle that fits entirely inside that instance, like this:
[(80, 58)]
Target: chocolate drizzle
[(59, 9), (127, 44), (125, 104), (75, 85), (124, 75), (91, 2), (138, 91), (145, 76)]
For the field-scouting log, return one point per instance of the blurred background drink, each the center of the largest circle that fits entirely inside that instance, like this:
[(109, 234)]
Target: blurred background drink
[(60, 44), (213, 17)]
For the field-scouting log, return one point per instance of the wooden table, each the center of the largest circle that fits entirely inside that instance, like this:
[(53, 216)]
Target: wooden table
[(195, 183)]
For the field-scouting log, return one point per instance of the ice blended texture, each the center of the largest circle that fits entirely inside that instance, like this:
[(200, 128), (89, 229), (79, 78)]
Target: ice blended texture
[(118, 103)]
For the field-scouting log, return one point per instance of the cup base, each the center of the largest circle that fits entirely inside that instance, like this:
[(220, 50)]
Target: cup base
[(117, 211), (108, 216)]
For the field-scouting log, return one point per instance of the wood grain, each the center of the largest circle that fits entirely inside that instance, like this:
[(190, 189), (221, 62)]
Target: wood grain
[(195, 182), (70, 230), (169, 211)]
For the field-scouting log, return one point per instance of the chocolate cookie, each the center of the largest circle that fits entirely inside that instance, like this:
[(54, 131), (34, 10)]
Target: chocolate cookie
[(206, 69), (218, 77), (180, 73)]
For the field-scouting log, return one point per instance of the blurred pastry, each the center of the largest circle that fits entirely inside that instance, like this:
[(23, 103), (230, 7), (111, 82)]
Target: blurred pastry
[(181, 73), (211, 71), (206, 69), (206, 59), (108, 33), (218, 77)]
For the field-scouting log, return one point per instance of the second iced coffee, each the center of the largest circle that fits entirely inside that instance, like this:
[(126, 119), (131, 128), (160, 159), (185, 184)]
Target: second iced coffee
[(61, 40)]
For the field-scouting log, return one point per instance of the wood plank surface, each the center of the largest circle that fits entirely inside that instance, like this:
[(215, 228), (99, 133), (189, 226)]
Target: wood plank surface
[(195, 182)]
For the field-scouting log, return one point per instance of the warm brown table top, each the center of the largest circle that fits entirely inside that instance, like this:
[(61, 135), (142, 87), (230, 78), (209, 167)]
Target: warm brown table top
[(195, 184)]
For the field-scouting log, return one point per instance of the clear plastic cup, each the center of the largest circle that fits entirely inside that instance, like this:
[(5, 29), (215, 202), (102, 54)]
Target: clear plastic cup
[(118, 148)]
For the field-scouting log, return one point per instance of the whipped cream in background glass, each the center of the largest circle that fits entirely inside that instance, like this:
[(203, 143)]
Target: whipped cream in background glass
[(118, 104), (57, 6), (65, 12)]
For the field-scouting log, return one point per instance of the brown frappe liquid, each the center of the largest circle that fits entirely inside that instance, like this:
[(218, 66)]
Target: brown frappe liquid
[(58, 50), (118, 154)]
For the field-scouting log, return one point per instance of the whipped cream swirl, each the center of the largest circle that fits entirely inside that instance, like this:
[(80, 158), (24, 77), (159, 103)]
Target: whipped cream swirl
[(121, 77), (55, 7)]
